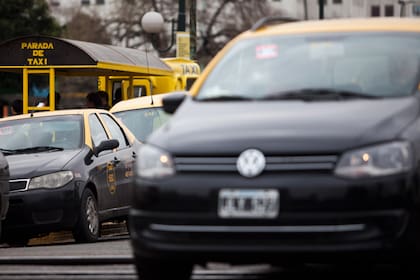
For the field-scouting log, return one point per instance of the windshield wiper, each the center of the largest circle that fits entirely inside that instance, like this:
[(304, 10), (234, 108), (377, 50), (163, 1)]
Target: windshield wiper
[(318, 94), (38, 149), (7, 151), (226, 98)]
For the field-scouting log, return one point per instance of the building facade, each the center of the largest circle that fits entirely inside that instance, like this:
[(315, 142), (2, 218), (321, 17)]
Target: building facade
[(63, 10), (310, 9)]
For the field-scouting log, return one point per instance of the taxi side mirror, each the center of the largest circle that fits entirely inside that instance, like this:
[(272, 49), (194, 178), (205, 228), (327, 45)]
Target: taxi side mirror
[(103, 146), (106, 145), (171, 103)]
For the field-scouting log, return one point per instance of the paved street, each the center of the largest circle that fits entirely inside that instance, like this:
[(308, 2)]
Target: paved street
[(58, 257), (110, 258)]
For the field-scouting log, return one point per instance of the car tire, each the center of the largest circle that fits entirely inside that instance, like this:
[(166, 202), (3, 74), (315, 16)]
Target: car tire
[(87, 228), (148, 269), (14, 240), (128, 225)]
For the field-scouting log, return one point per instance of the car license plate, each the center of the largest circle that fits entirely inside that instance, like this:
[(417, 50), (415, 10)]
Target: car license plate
[(240, 203)]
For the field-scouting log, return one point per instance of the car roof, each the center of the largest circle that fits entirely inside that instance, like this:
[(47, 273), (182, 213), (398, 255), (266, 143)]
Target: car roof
[(53, 113), (140, 102), (338, 25)]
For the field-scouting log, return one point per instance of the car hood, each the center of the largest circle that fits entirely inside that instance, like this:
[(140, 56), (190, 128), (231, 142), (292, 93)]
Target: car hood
[(24, 166), (287, 127)]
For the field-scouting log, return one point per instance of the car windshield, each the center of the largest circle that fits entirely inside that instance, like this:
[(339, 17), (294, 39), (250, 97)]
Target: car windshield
[(142, 122), (350, 65), (41, 134)]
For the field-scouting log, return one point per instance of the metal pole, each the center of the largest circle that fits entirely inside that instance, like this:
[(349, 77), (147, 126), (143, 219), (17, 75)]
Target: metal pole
[(181, 15), (321, 9), (402, 7), (193, 29), (305, 8)]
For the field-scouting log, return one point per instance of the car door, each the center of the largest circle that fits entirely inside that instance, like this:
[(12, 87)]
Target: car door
[(103, 172), (123, 161)]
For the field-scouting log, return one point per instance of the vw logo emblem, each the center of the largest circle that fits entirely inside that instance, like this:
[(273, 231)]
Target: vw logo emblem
[(250, 163)]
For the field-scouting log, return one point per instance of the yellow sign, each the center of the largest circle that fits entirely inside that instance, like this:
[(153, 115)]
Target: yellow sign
[(38, 55), (183, 44), (111, 178)]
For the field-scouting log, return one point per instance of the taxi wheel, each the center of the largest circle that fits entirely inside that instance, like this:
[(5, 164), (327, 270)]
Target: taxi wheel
[(127, 225), (162, 270), (88, 227), (14, 240), (18, 242)]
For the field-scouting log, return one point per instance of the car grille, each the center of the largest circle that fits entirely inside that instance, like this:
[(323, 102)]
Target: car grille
[(273, 163), (18, 185)]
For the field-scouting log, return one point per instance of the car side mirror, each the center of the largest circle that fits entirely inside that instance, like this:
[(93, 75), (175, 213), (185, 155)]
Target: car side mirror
[(171, 103), (103, 146)]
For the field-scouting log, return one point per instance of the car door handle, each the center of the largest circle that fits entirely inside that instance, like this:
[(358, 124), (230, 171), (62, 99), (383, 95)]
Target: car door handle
[(134, 155), (116, 161)]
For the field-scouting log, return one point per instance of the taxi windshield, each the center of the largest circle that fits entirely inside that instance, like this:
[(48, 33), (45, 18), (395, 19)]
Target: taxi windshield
[(350, 65), (41, 134), (142, 122)]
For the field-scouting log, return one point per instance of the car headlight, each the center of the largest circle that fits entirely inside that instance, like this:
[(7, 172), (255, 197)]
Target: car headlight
[(380, 160), (51, 181), (154, 163)]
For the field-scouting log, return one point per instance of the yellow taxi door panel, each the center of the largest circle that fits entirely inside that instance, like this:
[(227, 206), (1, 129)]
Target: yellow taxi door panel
[(123, 161), (104, 177)]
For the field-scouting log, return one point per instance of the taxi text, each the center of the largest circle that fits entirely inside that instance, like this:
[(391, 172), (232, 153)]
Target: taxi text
[(37, 52)]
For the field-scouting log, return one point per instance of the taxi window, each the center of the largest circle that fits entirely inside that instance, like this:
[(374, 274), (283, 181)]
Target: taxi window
[(142, 122), (140, 91), (59, 131), (373, 64), (190, 82), (115, 130), (65, 133), (97, 131)]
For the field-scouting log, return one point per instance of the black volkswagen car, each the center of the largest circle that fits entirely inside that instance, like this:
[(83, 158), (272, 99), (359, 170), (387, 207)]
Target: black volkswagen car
[(301, 143), (4, 188), (69, 170)]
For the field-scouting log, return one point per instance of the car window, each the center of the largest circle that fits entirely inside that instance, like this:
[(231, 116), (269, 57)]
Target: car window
[(142, 122), (115, 130), (139, 91), (59, 131), (97, 131), (384, 64)]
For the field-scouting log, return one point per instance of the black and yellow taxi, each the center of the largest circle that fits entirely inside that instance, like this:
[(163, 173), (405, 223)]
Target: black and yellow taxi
[(69, 170), (4, 188), (142, 115), (300, 143)]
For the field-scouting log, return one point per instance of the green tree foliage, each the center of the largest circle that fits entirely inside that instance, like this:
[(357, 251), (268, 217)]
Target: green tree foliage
[(26, 17), (20, 18)]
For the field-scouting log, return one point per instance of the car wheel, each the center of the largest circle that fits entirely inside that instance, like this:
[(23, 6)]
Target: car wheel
[(127, 224), (14, 240), (87, 228), (148, 269)]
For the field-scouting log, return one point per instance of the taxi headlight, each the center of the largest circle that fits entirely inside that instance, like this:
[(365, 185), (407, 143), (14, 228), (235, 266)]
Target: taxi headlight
[(381, 160), (51, 181), (154, 163)]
